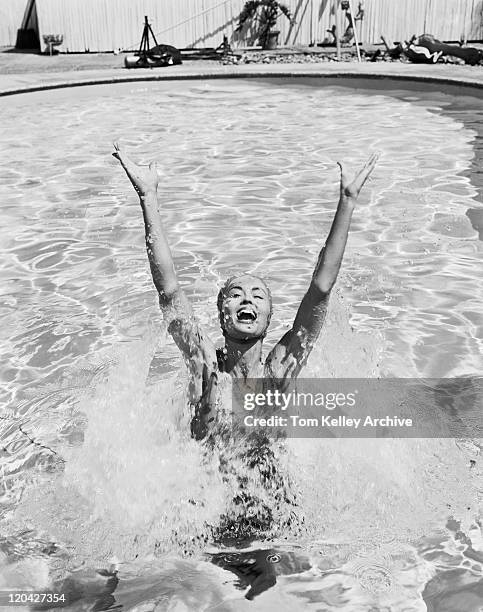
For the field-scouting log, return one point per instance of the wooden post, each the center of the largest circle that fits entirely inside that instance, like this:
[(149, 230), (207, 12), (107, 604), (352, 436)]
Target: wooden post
[(354, 24)]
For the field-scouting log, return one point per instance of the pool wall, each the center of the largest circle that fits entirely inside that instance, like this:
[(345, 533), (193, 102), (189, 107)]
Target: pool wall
[(442, 75)]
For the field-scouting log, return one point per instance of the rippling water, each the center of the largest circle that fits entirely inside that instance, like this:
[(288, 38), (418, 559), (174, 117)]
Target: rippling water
[(96, 457)]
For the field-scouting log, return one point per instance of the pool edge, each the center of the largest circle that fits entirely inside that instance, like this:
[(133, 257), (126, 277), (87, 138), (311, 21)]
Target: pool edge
[(402, 72)]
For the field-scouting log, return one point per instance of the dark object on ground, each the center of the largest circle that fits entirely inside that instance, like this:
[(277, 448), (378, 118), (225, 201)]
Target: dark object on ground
[(158, 56), (167, 54), (376, 55), (222, 52), (225, 47), (205, 53), (271, 10), (428, 50), (393, 51)]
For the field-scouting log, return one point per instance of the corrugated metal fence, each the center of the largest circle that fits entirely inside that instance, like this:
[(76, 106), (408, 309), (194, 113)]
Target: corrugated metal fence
[(105, 25)]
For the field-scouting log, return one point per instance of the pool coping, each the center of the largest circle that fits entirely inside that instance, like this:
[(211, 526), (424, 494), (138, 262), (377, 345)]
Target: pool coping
[(443, 74)]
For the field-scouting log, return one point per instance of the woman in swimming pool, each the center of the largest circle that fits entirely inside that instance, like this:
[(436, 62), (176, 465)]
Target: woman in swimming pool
[(244, 302)]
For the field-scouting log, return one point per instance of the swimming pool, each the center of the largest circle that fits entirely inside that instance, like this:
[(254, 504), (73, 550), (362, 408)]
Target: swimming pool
[(96, 457)]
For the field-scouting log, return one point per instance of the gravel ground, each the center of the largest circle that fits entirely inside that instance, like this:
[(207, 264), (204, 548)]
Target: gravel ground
[(15, 62), (20, 62)]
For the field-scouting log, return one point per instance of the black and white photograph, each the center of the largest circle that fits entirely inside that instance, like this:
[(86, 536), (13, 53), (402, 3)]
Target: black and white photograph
[(242, 305)]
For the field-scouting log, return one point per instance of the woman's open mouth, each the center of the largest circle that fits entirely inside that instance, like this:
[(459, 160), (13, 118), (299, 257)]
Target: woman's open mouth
[(246, 315)]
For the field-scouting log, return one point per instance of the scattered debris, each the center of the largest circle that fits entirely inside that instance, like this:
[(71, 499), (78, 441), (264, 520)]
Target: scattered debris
[(414, 51), (426, 49)]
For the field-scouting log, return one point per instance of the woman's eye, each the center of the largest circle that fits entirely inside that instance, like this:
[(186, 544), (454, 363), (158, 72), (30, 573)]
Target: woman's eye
[(258, 297)]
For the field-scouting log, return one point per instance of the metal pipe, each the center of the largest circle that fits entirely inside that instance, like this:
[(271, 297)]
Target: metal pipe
[(354, 24), (337, 29)]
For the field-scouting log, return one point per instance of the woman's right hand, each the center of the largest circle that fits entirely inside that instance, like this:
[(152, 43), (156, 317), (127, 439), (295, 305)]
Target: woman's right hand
[(144, 179)]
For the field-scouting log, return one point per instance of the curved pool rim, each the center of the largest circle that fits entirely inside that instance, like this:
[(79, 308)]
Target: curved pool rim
[(452, 77)]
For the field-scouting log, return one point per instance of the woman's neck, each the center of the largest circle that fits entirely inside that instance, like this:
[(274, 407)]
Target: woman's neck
[(242, 359)]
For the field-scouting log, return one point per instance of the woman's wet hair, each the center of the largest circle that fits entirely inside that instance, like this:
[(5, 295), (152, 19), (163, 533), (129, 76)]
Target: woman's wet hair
[(224, 292)]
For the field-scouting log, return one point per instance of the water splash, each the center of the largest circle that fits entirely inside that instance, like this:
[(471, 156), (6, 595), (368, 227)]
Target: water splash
[(138, 485)]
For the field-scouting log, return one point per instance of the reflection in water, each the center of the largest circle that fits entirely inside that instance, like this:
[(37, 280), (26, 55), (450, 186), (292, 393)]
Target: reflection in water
[(475, 215), (94, 588), (455, 590), (258, 569)]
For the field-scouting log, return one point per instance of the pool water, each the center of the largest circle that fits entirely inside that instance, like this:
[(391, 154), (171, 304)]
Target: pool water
[(97, 466)]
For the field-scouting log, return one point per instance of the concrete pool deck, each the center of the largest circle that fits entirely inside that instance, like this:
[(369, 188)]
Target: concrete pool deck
[(444, 74)]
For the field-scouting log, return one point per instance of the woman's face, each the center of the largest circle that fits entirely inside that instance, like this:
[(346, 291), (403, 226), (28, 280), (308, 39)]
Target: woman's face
[(246, 308)]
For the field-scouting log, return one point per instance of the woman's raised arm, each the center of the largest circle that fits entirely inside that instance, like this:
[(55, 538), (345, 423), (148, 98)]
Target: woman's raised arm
[(145, 182)]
